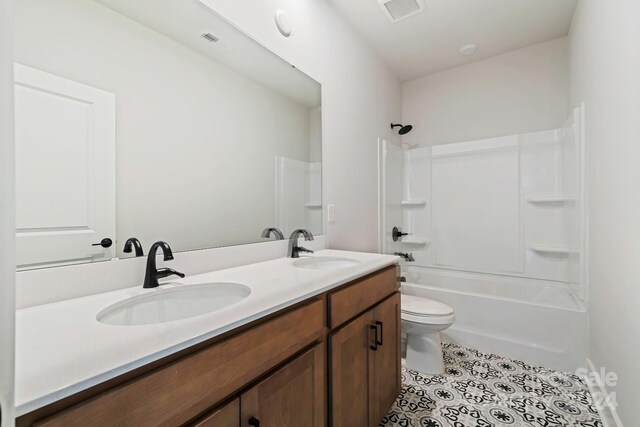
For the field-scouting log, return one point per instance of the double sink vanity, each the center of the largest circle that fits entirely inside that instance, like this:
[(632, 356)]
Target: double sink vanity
[(311, 341)]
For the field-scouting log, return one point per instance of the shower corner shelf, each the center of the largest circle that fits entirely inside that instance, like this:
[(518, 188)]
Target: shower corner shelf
[(415, 241), (413, 203), (550, 200), (313, 205), (552, 250)]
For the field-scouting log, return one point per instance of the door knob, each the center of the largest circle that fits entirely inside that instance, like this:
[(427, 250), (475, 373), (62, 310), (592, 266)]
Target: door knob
[(105, 243), (253, 421)]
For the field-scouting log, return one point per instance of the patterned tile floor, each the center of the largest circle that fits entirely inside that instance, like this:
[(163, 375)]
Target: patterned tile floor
[(486, 390)]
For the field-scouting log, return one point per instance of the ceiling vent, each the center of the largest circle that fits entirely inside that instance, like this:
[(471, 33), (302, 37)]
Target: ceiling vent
[(397, 10), (210, 38)]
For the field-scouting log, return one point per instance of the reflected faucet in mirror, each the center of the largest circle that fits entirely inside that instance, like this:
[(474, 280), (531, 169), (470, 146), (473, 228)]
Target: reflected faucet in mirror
[(152, 274), (294, 249), (267, 232), (133, 243)]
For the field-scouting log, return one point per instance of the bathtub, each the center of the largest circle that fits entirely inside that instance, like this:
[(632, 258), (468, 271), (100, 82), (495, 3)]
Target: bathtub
[(538, 322)]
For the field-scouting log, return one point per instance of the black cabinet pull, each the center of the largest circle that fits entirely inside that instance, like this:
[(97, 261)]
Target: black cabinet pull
[(253, 421), (105, 243), (374, 346), (379, 341)]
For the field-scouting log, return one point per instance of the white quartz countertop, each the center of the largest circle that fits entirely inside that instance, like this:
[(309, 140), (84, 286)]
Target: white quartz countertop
[(61, 348)]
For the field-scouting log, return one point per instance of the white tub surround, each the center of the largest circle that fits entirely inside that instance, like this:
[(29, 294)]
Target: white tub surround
[(497, 228), (62, 349)]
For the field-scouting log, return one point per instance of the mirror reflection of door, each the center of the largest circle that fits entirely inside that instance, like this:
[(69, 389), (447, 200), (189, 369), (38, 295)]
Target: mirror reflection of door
[(65, 170), (202, 112)]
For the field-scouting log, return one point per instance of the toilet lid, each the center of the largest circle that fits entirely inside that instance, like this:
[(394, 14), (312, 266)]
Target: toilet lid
[(419, 306)]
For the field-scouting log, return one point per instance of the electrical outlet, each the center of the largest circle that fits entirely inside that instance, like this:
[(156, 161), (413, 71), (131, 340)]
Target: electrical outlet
[(331, 214)]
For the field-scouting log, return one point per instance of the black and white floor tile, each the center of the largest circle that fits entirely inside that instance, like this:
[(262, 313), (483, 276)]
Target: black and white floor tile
[(486, 390)]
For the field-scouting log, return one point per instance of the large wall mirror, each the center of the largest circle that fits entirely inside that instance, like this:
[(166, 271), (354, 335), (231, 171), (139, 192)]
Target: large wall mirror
[(160, 121)]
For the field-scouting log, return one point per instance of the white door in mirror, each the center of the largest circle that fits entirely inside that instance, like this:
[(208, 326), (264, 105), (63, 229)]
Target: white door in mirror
[(65, 170)]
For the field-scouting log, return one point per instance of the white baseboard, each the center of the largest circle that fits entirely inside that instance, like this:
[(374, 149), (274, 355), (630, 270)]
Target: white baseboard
[(608, 412)]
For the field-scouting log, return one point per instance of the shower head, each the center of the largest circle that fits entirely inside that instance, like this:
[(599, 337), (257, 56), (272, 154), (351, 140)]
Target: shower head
[(403, 129)]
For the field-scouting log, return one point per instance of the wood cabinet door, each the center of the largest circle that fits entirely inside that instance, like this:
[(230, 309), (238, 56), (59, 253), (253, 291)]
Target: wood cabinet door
[(350, 353), (293, 396), (387, 377), (225, 416)]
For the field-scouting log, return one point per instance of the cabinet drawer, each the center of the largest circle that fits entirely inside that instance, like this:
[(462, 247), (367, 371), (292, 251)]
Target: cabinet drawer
[(181, 390), (348, 302), (225, 416)]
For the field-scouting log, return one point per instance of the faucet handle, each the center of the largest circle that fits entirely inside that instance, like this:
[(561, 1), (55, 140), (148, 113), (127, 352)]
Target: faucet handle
[(166, 272), (301, 249), (407, 256)]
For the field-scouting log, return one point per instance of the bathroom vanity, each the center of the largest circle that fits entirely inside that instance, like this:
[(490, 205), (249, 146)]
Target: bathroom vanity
[(330, 358)]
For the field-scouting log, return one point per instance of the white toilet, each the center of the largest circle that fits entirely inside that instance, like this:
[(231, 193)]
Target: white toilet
[(422, 321)]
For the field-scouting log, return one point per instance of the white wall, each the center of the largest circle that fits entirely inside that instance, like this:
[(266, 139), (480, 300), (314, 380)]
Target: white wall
[(605, 74), (360, 98), (519, 92), (195, 140), (7, 229)]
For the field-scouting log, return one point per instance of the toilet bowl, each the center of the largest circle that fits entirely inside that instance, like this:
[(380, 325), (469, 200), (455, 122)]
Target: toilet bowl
[(422, 321)]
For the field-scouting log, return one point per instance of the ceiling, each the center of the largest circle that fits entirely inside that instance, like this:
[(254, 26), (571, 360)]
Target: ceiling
[(429, 42)]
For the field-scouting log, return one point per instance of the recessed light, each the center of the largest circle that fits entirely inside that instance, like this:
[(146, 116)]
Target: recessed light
[(468, 49)]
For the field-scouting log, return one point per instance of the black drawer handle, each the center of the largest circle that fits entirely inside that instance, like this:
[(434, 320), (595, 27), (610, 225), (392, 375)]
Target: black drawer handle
[(253, 421), (374, 346), (379, 341)]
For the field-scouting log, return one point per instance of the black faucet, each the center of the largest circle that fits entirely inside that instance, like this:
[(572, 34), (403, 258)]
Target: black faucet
[(294, 249), (407, 256), (152, 273), (266, 233), (133, 243)]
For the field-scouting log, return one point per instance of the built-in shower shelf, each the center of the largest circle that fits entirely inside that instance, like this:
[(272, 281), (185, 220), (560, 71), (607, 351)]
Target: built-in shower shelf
[(552, 250), (551, 200), (414, 203), (313, 205), (415, 241)]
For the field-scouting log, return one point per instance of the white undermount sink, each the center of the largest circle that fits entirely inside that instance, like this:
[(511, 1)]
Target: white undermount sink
[(176, 303), (325, 262)]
